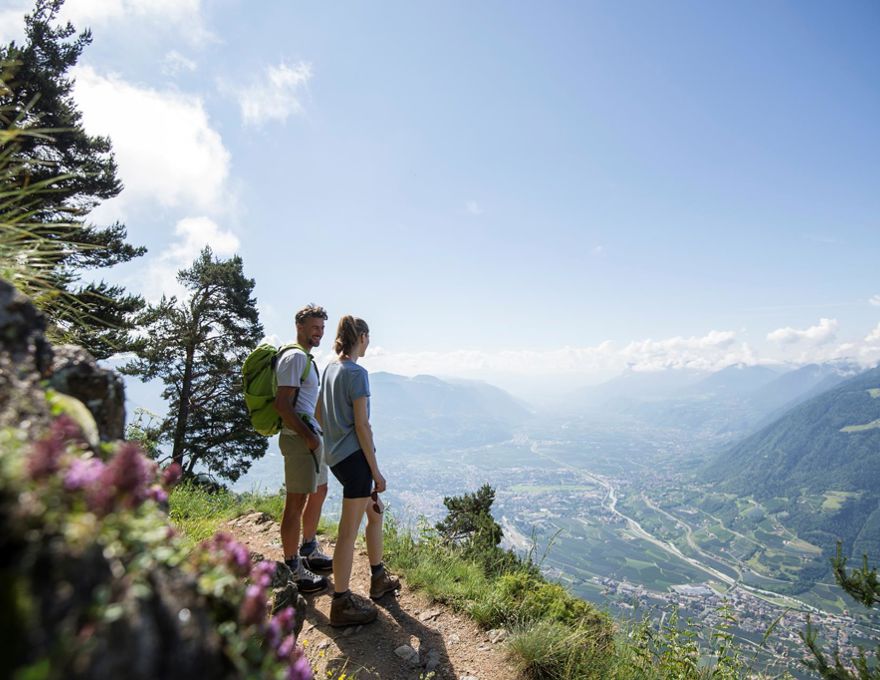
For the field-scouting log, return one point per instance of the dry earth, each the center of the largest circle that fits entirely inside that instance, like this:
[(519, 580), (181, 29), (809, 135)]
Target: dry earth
[(449, 645)]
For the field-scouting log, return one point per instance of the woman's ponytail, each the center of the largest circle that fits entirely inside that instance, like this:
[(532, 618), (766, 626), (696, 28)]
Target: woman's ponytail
[(347, 333)]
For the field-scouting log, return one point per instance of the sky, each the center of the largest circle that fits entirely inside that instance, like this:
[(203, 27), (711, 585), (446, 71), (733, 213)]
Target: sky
[(538, 195)]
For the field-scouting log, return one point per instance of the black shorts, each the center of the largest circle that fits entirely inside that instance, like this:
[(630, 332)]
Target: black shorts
[(353, 472)]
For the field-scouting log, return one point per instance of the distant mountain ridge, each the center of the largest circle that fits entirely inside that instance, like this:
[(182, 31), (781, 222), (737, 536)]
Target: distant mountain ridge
[(731, 402), (424, 411)]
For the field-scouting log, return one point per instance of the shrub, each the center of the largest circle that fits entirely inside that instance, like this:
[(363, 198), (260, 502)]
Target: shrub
[(94, 581)]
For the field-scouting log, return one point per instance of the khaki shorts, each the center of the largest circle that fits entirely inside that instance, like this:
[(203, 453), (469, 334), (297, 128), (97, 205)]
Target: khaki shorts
[(299, 465)]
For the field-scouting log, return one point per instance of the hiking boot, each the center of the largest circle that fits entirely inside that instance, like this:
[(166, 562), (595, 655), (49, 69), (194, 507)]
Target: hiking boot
[(316, 560), (306, 581), (351, 610), (382, 582)]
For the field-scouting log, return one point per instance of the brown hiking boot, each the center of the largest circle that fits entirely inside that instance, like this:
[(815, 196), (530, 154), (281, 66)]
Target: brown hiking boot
[(382, 582), (351, 610)]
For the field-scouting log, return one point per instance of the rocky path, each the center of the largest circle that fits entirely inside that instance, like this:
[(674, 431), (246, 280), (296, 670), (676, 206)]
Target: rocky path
[(411, 639)]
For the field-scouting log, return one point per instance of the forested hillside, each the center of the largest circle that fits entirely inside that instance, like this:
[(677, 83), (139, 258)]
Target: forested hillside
[(824, 457)]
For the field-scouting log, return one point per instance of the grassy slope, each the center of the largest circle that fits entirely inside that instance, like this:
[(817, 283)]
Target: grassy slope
[(553, 635)]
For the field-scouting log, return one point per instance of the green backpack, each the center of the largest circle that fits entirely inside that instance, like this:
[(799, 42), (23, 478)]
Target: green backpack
[(260, 385)]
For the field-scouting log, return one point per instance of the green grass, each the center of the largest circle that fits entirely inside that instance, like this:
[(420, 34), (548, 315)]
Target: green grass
[(198, 513), (834, 500)]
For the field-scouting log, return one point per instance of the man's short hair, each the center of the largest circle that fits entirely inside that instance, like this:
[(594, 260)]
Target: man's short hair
[(310, 311)]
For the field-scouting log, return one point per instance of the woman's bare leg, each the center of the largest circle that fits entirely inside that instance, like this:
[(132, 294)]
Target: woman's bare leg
[(343, 554)]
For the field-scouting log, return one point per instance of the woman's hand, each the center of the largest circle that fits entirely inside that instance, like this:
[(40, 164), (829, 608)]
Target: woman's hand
[(379, 481)]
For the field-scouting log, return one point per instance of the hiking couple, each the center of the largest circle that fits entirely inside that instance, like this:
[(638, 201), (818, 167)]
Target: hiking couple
[(326, 423)]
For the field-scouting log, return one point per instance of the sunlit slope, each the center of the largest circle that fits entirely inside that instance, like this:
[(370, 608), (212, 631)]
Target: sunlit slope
[(823, 458)]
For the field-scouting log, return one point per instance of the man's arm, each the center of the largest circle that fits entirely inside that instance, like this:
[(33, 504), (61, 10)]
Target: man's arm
[(284, 405)]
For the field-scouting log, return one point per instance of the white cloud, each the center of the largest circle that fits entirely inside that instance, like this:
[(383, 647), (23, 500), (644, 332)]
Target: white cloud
[(473, 208), (12, 21), (181, 16), (598, 251), (713, 351), (824, 332), (192, 234), (175, 63), (275, 96), (873, 338), (163, 142), (874, 300)]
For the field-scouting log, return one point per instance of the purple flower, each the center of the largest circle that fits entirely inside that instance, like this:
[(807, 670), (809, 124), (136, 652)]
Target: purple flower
[(273, 633), (285, 619), (300, 670), (158, 494), (171, 475), (262, 573), (83, 473), (130, 472), (253, 607), (230, 551), (44, 456), (285, 649), (66, 429)]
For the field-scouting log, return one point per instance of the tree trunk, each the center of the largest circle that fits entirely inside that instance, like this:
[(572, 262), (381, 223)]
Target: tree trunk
[(183, 412)]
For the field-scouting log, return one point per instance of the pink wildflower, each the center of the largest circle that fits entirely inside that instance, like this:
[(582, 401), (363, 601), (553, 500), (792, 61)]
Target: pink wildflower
[(285, 649), (171, 475), (83, 473), (300, 670), (158, 494), (253, 607), (262, 573)]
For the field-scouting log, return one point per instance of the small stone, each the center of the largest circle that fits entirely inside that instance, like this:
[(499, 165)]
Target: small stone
[(348, 631), (454, 638), (408, 654), (468, 677), (497, 635), (430, 614), (324, 644)]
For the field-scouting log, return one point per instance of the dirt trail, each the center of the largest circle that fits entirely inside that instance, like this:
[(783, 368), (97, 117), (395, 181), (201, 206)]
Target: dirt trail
[(448, 644)]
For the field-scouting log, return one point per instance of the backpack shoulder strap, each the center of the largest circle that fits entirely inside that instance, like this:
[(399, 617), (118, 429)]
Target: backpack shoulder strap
[(309, 361)]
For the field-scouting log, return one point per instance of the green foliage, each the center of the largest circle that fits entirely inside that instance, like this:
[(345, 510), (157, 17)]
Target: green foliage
[(199, 512), (862, 585), (553, 651), (52, 176), (470, 527), (196, 347)]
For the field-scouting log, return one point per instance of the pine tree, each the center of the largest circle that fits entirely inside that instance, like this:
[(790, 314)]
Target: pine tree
[(196, 347), (864, 587), (82, 172)]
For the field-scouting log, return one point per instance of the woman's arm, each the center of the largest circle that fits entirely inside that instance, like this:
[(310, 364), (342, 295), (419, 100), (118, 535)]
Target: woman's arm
[(365, 440)]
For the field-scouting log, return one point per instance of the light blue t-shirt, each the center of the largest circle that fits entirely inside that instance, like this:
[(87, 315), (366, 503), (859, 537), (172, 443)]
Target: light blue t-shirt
[(344, 381)]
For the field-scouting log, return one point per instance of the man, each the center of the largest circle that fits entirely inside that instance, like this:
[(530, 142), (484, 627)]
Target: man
[(305, 473)]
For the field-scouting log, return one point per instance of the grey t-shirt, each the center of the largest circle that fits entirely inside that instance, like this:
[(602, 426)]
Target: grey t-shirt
[(344, 381), (289, 370)]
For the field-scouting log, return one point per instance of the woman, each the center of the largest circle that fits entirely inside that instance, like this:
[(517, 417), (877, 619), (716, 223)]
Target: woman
[(344, 414)]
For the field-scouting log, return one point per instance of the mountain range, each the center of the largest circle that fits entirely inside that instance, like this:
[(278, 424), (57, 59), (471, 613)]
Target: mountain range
[(729, 403), (424, 412)]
